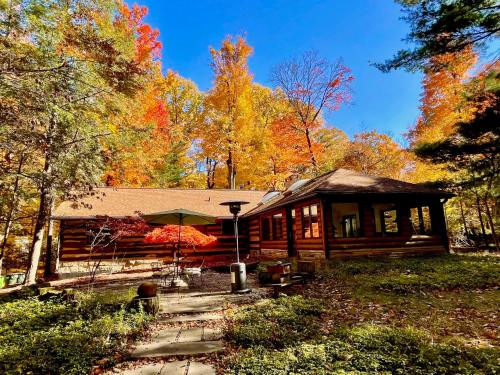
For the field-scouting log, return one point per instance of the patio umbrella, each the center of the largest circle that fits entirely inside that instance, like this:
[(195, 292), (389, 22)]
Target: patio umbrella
[(179, 217)]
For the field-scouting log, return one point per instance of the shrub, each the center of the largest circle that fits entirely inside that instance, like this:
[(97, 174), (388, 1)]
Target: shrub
[(276, 322), (59, 337), (369, 349)]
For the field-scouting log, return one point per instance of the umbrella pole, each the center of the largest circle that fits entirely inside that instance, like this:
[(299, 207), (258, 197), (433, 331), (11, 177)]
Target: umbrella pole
[(178, 248)]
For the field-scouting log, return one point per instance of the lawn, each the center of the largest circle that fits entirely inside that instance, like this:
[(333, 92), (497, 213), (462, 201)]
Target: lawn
[(396, 316), (55, 336)]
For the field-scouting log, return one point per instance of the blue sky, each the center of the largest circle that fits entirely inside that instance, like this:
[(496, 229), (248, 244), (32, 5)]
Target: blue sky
[(358, 31)]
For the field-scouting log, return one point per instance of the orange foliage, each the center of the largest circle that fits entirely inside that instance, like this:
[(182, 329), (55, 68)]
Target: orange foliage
[(147, 45), (142, 138), (442, 106), (442, 99), (170, 234), (376, 154)]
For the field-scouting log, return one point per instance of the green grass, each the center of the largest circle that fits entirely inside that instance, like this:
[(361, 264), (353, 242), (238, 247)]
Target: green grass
[(433, 315), (57, 337)]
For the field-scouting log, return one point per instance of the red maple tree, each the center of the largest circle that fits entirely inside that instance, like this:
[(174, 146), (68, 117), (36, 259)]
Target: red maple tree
[(170, 234)]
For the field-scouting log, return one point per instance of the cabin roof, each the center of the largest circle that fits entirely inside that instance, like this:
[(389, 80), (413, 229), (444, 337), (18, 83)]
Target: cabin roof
[(121, 202), (345, 182)]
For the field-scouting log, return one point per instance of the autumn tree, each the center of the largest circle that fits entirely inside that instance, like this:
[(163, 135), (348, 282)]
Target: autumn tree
[(333, 144), (471, 152), (439, 28), (375, 154), (442, 104), (63, 65), (312, 85), (138, 144), (185, 106), (228, 105)]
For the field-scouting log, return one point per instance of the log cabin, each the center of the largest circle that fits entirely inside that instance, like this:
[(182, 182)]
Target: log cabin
[(336, 215)]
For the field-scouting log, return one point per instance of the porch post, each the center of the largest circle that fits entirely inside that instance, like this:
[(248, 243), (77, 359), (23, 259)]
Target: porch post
[(326, 216)]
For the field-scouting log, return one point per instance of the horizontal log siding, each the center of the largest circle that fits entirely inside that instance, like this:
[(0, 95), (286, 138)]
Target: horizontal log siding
[(371, 244), (253, 236), (73, 245), (309, 248), (274, 249)]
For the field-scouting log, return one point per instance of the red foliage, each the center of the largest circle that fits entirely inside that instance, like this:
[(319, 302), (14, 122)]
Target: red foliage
[(121, 227), (147, 45), (170, 234)]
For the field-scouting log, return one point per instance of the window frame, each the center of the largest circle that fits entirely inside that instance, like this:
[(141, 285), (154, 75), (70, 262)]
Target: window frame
[(309, 223), (277, 230), (357, 215), (383, 222), (421, 220), (266, 235)]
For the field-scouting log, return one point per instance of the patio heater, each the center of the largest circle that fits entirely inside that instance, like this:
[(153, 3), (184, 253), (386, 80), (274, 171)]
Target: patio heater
[(238, 269)]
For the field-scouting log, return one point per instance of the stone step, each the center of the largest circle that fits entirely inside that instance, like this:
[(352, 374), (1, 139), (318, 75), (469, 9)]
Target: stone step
[(179, 341), (178, 348), (191, 307), (193, 317), (170, 368)]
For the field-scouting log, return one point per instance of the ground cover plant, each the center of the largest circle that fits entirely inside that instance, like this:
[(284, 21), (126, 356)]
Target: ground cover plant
[(433, 315), (276, 323), (54, 336)]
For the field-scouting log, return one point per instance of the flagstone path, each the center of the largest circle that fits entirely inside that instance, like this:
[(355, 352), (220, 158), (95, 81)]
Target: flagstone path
[(189, 326)]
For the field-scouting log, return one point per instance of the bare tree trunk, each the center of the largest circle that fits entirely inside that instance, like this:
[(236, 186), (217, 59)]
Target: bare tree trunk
[(43, 209), (463, 218), (481, 222), (311, 152), (36, 246), (231, 172), (210, 165), (48, 250), (12, 211), (492, 224)]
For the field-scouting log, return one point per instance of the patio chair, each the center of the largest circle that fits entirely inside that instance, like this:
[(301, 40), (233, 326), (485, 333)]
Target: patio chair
[(194, 270)]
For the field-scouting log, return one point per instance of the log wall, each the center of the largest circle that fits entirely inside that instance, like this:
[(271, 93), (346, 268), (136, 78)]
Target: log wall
[(369, 243), (74, 247), (274, 249), (309, 248)]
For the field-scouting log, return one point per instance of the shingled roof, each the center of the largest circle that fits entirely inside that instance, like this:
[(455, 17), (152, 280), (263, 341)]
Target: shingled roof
[(121, 202), (343, 181)]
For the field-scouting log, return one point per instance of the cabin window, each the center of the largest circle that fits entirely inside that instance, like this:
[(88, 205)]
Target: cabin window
[(310, 225), (227, 227), (266, 228), (421, 220), (389, 219), (345, 219), (386, 218), (277, 221)]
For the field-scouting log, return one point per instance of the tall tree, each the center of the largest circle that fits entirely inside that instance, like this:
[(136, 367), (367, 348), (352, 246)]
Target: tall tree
[(442, 104), (184, 103), (441, 27), (311, 85), (376, 154), (472, 151), (63, 63), (228, 105)]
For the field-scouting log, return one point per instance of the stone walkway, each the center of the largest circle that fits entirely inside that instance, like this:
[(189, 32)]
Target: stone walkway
[(189, 325)]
